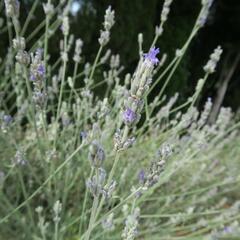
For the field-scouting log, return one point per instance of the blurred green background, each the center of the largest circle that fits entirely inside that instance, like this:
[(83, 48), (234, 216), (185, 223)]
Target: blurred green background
[(135, 16)]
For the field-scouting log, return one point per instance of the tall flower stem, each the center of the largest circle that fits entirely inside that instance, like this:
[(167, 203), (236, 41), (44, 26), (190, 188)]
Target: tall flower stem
[(184, 49), (176, 60), (156, 36), (94, 209), (56, 230), (197, 94), (10, 33), (133, 194), (95, 63), (73, 81), (110, 178), (46, 43), (32, 108), (84, 206), (62, 80)]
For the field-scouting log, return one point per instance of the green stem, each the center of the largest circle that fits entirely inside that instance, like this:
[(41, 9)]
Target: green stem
[(38, 190), (32, 108), (156, 36), (94, 209), (114, 168), (196, 95), (73, 81), (84, 206), (95, 63), (30, 15), (25, 196), (62, 81), (115, 208), (56, 230)]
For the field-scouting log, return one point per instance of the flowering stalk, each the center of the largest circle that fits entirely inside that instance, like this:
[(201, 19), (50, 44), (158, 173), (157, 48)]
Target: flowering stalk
[(163, 17), (93, 210), (77, 59), (199, 157), (209, 68), (22, 57), (131, 115), (206, 4), (57, 208), (38, 78), (84, 207), (12, 11), (124, 201), (65, 29), (29, 17), (173, 64), (48, 9), (32, 108), (104, 37)]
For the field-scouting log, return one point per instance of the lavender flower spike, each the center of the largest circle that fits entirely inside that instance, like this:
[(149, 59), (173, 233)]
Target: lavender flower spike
[(141, 176), (129, 116), (41, 70), (7, 119), (151, 56)]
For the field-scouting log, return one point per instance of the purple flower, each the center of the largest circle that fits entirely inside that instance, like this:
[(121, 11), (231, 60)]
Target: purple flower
[(41, 70), (129, 116), (227, 230), (39, 52), (151, 56), (141, 177), (7, 119), (96, 154), (39, 97), (32, 78)]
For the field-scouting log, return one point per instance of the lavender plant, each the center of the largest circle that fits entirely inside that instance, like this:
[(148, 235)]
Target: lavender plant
[(75, 165)]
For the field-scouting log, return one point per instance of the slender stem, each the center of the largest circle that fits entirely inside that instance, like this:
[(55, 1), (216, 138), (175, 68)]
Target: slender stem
[(84, 206), (32, 108), (181, 106), (46, 38), (16, 26), (10, 34), (115, 208), (56, 230), (3, 219), (114, 168), (196, 95), (184, 49), (94, 209), (95, 63), (46, 45), (29, 17), (156, 36), (62, 80), (25, 196), (73, 81), (162, 75), (125, 134)]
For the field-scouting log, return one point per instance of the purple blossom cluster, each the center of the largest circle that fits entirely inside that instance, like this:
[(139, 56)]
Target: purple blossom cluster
[(150, 57), (129, 116), (140, 84), (37, 76), (37, 69)]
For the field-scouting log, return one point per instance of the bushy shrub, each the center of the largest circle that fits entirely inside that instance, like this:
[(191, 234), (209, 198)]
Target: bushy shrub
[(75, 165)]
